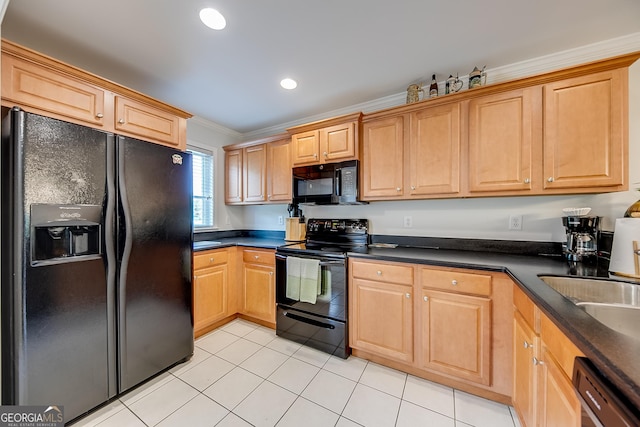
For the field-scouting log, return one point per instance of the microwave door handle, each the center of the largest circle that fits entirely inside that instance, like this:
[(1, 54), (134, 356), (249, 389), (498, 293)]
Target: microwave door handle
[(338, 181)]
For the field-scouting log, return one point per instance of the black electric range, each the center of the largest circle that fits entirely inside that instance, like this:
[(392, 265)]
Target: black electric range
[(318, 318)]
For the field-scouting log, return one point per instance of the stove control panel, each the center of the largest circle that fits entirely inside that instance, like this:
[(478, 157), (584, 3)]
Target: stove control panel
[(337, 226)]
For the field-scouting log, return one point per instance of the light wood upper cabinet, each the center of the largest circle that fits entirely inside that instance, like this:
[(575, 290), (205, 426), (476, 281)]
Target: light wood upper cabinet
[(254, 170), (383, 158), (143, 121), (279, 171), (504, 132), (258, 172), (30, 85), (585, 131), (233, 176), (326, 141), (43, 85), (434, 151)]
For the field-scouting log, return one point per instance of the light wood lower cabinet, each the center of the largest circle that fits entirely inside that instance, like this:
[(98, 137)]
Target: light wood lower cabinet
[(543, 393), (467, 318), (448, 325), (258, 285), (382, 318), (211, 281), (232, 282)]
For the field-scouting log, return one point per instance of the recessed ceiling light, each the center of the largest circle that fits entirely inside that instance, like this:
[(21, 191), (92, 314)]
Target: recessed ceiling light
[(288, 83), (212, 18)]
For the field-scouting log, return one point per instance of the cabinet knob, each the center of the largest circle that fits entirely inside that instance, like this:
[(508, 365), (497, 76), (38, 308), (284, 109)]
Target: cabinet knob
[(211, 259), (268, 196), (325, 154), (413, 187), (99, 115), (527, 181), (121, 121), (256, 256), (550, 179), (407, 295), (379, 273), (454, 282), (425, 298), (271, 273), (527, 345), (537, 362), (315, 155), (398, 188)]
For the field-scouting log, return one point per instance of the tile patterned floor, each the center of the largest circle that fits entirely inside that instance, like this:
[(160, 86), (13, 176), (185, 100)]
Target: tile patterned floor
[(244, 375)]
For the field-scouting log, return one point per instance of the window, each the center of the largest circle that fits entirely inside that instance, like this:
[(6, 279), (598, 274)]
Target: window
[(203, 216)]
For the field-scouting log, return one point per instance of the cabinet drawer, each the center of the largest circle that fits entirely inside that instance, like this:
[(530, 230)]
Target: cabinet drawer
[(454, 281), (383, 272), (210, 258), (259, 257), (527, 309)]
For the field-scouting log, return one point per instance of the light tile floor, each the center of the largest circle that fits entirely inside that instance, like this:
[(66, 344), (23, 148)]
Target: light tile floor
[(244, 375)]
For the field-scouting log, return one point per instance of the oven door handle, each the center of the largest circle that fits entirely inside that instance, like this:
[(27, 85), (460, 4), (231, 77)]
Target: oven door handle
[(325, 263), (309, 321)]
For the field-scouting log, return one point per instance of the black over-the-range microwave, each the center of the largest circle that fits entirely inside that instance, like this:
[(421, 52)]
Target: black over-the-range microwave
[(327, 184)]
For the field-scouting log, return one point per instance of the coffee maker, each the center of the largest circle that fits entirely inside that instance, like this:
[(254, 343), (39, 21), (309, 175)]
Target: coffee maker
[(583, 233)]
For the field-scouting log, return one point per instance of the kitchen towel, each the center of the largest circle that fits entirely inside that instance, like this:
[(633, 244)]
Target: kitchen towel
[(325, 291), (294, 266), (309, 280)]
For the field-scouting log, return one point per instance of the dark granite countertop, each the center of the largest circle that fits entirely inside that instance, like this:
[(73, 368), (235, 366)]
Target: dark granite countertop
[(256, 242), (617, 356)]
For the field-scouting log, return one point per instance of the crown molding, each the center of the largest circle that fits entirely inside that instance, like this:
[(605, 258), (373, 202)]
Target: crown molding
[(567, 58), (216, 127)]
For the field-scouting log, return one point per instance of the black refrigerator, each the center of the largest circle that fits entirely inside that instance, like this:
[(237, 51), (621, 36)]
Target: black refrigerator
[(96, 235)]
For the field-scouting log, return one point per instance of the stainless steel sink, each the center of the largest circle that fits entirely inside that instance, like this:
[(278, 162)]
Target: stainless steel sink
[(614, 304), (595, 290), (619, 317)]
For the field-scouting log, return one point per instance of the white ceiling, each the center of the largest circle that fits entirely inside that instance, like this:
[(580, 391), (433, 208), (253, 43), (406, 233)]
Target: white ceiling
[(342, 52)]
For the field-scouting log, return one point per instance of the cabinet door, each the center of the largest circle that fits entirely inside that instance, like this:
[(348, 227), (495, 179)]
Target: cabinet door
[(30, 85), (525, 346), (559, 405), (254, 161), (585, 136), (259, 292), (279, 179), (210, 295), (338, 142), (381, 319), (383, 159), (305, 148), (143, 121), (435, 150), (233, 172), (502, 132), (456, 335)]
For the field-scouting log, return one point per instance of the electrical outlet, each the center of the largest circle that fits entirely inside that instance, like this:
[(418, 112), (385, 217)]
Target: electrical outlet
[(280, 220), (515, 222), (408, 221)]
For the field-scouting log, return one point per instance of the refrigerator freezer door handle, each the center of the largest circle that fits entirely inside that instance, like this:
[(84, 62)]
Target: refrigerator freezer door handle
[(109, 239)]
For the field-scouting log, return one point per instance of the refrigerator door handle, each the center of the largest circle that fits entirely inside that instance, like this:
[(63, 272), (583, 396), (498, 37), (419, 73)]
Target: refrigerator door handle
[(112, 262), (126, 252)]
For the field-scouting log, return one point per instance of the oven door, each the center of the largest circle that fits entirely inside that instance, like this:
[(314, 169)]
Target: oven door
[(332, 302)]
